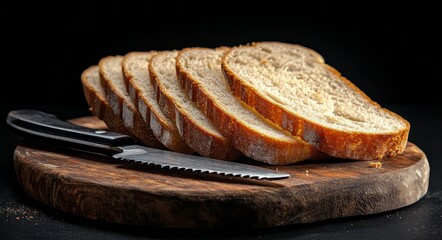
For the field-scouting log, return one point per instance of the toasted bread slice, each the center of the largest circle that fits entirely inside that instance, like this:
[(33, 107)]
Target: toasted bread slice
[(313, 101), (199, 71), (111, 75), (194, 127), (141, 91)]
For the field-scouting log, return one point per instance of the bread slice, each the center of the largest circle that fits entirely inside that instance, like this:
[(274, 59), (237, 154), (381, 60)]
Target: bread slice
[(313, 101), (199, 71), (194, 127), (111, 75), (96, 99), (141, 91)]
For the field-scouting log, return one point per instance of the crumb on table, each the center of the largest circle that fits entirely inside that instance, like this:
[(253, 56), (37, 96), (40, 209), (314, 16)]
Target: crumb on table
[(375, 164)]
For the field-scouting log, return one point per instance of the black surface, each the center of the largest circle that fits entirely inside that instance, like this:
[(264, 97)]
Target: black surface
[(390, 49)]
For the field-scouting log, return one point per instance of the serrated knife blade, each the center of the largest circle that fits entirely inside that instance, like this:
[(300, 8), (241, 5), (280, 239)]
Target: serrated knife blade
[(43, 126), (178, 161)]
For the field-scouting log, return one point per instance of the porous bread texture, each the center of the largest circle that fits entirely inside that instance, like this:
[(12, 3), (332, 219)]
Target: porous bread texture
[(142, 93), (199, 72), (313, 101), (96, 99), (194, 127), (294, 50), (111, 75)]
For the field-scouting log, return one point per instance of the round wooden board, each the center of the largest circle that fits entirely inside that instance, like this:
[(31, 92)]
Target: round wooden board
[(106, 189)]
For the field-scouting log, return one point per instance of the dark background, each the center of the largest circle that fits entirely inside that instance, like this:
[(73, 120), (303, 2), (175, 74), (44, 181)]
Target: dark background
[(390, 49)]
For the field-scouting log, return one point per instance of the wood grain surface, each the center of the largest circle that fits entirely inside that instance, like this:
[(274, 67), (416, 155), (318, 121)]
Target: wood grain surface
[(101, 188)]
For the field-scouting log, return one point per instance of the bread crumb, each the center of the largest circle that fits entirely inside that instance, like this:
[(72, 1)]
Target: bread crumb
[(375, 164), (306, 172)]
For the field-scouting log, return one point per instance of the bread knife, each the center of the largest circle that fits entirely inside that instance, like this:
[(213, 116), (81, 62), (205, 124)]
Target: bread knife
[(48, 128)]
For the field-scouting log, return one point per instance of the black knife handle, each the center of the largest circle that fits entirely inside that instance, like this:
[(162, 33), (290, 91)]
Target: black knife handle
[(48, 128)]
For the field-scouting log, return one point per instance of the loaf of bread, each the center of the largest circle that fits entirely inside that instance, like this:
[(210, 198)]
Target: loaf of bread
[(314, 101), (272, 102)]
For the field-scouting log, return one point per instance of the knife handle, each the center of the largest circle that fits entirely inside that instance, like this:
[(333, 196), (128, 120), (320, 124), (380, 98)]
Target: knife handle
[(47, 128)]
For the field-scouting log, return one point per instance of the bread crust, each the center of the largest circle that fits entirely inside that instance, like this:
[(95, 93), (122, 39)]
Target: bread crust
[(99, 106), (124, 108), (249, 141), (166, 133), (342, 144), (203, 142)]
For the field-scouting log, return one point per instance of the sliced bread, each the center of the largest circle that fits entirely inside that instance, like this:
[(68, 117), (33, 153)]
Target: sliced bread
[(141, 91), (313, 101), (199, 71), (194, 127), (96, 99), (111, 75)]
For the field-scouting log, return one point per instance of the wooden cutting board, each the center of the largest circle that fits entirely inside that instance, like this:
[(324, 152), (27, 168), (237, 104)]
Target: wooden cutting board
[(109, 190)]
